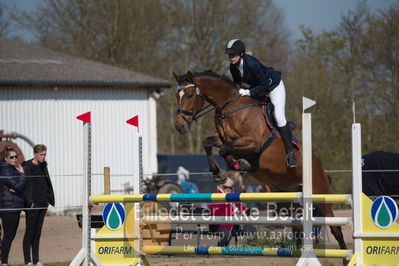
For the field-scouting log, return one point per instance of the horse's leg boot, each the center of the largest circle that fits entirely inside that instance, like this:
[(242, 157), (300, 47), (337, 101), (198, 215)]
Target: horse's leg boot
[(285, 133)]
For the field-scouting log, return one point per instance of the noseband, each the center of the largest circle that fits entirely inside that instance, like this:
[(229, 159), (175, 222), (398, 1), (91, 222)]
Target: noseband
[(181, 89), (197, 94)]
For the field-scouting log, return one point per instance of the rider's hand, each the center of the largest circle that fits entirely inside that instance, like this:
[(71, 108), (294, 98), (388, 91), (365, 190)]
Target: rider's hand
[(244, 92)]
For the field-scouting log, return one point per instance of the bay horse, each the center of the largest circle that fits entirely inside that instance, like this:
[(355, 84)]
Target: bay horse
[(241, 131)]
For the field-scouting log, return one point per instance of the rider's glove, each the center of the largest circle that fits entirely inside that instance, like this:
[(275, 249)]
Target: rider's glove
[(244, 92)]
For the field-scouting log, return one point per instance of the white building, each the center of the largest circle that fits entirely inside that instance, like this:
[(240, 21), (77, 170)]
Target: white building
[(42, 92)]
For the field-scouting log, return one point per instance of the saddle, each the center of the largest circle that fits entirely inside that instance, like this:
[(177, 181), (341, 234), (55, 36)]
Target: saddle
[(268, 113)]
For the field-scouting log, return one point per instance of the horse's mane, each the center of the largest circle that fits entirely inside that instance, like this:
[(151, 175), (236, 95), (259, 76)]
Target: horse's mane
[(210, 73)]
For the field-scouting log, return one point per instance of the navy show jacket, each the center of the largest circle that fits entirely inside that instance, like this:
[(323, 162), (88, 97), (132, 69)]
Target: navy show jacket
[(262, 79)]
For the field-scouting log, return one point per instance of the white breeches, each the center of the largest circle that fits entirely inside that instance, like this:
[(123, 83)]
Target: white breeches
[(277, 97)]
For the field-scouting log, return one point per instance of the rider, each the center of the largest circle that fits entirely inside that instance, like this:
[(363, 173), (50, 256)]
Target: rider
[(263, 80)]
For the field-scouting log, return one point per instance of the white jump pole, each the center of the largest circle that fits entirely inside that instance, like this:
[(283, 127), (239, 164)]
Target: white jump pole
[(138, 189), (357, 189), (308, 257), (258, 220), (85, 255)]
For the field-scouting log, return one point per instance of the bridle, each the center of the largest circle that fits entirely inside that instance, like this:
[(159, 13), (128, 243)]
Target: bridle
[(209, 108), (196, 114)]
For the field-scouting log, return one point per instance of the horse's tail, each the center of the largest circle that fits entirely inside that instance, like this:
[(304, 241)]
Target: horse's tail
[(329, 179)]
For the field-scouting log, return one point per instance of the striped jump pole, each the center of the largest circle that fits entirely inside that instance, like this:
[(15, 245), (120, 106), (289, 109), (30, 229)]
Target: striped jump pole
[(242, 251), (220, 197)]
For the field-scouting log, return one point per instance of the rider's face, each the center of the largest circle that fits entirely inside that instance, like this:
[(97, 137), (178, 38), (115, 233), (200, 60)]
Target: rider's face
[(234, 58)]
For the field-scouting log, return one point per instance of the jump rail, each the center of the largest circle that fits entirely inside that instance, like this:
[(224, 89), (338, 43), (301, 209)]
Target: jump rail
[(219, 197), (246, 251), (254, 220)]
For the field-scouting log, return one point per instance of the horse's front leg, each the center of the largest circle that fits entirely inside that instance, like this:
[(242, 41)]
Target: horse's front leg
[(219, 175), (235, 151)]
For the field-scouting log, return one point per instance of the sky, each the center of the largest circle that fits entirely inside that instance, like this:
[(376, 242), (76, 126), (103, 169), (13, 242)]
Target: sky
[(321, 14), (318, 15)]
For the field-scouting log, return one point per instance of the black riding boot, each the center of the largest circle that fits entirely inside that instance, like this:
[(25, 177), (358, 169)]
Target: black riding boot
[(285, 133)]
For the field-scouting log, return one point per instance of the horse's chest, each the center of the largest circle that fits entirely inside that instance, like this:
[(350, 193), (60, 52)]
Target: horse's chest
[(227, 134)]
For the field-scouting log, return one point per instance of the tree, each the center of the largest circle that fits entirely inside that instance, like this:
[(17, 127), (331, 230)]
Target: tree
[(158, 37), (197, 40), (355, 63), (5, 22), (121, 33)]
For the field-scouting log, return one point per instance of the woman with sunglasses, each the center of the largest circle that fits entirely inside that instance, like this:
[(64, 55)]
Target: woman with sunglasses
[(225, 209), (12, 185)]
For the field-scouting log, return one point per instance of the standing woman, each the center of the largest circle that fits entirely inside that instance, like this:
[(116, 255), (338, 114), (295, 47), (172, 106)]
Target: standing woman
[(263, 81), (12, 185), (38, 195), (234, 209)]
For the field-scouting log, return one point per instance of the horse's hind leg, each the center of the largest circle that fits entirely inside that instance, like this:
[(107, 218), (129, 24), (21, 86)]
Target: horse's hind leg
[(326, 210), (219, 175)]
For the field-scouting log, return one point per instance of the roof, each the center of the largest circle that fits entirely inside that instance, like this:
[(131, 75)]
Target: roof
[(29, 64)]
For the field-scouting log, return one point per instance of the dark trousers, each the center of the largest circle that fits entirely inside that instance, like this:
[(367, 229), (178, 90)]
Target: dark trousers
[(224, 237), (10, 223), (34, 224)]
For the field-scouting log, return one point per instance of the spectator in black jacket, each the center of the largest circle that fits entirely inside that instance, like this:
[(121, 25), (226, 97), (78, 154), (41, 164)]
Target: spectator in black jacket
[(38, 195), (12, 185)]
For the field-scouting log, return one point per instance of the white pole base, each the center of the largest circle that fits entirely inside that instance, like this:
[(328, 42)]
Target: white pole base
[(308, 259), (79, 258)]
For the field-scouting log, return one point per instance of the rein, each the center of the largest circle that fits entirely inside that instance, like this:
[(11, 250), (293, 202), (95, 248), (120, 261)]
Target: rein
[(196, 115), (223, 116), (221, 105)]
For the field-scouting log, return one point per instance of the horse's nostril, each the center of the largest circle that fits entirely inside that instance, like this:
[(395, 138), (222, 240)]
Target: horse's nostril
[(181, 128)]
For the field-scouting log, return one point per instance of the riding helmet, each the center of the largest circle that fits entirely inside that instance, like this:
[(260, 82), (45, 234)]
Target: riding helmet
[(235, 46)]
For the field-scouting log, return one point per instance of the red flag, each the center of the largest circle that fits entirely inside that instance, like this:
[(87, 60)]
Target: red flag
[(86, 117), (134, 121)]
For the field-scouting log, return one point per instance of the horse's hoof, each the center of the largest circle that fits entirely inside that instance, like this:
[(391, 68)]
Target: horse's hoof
[(221, 177), (244, 165)]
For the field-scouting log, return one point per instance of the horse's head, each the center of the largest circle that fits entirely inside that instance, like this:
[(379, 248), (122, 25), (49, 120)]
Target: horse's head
[(190, 101)]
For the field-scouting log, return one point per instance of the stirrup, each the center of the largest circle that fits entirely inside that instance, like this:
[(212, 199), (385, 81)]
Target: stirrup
[(291, 160)]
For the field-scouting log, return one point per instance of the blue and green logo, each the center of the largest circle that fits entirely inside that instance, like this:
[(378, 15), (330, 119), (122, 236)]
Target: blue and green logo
[(384, 211), (114, 215)]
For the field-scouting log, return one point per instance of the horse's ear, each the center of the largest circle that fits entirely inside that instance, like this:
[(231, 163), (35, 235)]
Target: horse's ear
[(176, 77), (190, 76)]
